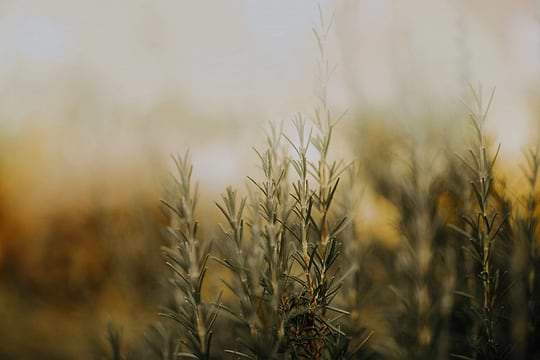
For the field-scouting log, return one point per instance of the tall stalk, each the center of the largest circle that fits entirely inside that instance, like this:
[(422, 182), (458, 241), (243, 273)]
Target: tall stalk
[(482, 232), (319, 336), (188, 259)]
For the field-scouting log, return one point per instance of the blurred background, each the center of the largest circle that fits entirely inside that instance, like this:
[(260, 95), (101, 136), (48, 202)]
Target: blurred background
[(96, 96)]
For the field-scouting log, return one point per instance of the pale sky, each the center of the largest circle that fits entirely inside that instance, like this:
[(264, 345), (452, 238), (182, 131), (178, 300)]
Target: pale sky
[(259, 54), (113, 64)]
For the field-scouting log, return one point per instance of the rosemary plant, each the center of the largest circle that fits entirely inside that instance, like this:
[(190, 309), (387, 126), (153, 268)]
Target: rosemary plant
[(313, 331), (261, 263), (527, 264), (421, 272), (482, 232), (420, 262), (286, 315), (187, 260), (310, 328)]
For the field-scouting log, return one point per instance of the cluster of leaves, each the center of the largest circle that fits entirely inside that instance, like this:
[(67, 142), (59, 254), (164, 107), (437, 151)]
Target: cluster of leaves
[(287, 277)]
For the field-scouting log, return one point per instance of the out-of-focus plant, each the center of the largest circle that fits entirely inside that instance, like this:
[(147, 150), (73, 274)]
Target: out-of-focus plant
[(526, 264), (162, 342), (421, 271), (115, 349), (424, 268)]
